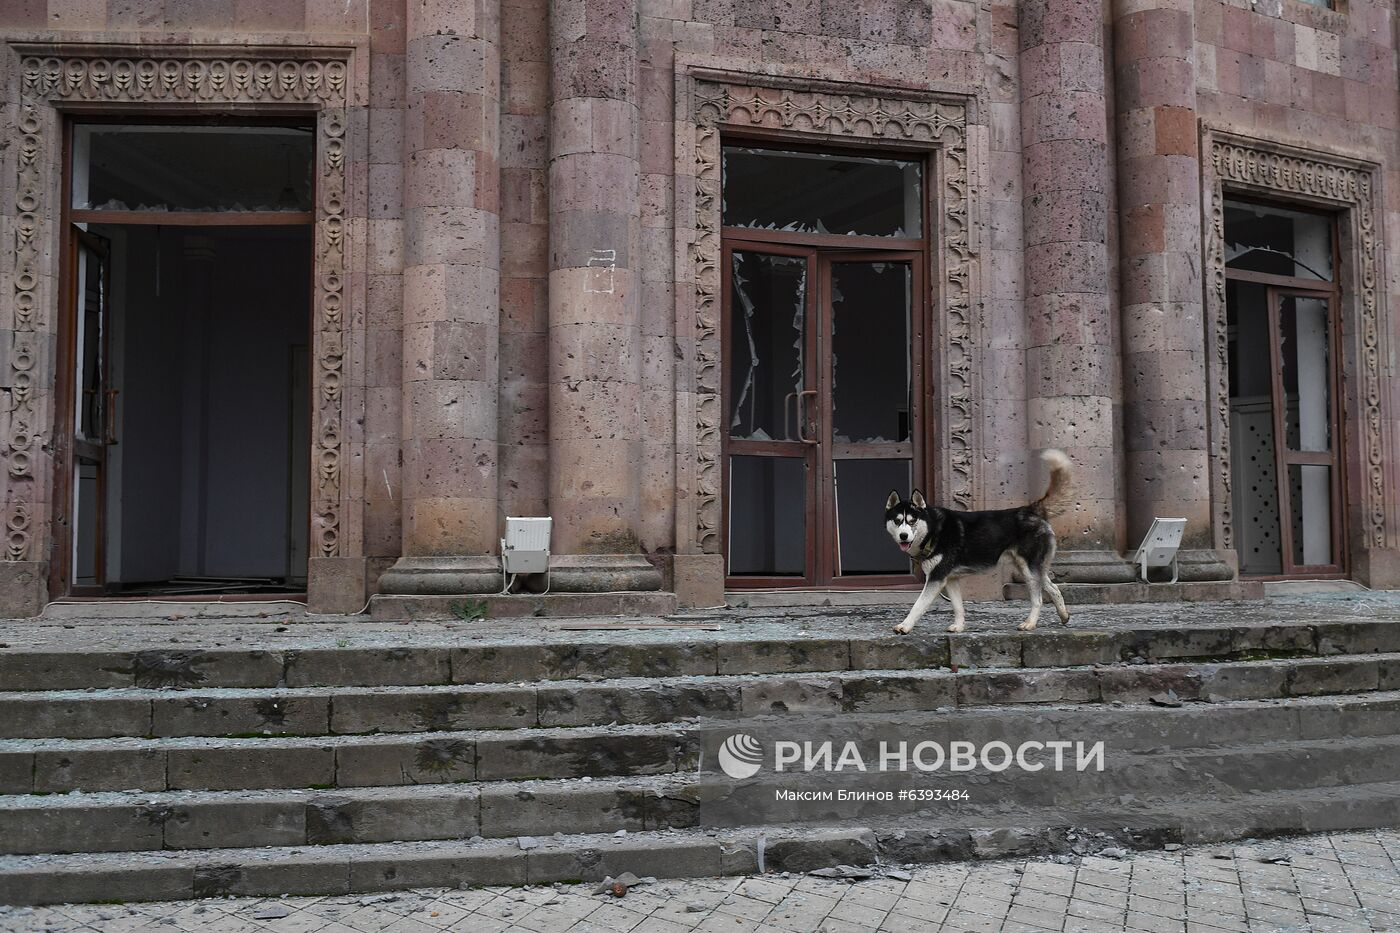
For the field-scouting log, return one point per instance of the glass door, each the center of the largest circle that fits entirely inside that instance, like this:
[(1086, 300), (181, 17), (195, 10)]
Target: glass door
[(92, 411), (822, 398), (1305, 419), (771, 401)]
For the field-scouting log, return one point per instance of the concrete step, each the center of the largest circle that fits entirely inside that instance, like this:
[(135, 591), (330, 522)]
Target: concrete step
[(316, 711), (44, 766), (731, 649), (355, 868), (138, 821)]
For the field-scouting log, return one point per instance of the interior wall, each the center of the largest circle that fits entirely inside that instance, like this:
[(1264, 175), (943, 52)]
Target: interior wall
[(212, 320)]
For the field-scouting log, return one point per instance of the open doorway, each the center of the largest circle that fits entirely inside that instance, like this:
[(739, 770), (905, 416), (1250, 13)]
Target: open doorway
[(186, 378), (1281, 301)]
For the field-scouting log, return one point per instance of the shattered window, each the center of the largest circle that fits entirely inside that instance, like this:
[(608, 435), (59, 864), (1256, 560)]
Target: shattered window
[(1279, 241), (871, 369), (766, 354), (145, 167), (808, 192)]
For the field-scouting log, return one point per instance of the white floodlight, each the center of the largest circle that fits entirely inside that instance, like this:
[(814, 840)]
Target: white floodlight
[(1159, 546)]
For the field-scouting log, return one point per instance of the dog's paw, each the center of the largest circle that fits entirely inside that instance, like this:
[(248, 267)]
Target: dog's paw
[(957, 626), (1027, 626), (904, 628), (1064, 619)]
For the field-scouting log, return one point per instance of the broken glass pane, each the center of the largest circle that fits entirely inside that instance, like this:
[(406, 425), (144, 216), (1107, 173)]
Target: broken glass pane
[(766, 332), (861, 488), (1310, 491), (1303, 352), (768, 516), (810, 192), (1262, 238), (144, 167), (871, 344), (1253, 466)]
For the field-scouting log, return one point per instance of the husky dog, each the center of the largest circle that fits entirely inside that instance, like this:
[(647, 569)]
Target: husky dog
[(947, 544)]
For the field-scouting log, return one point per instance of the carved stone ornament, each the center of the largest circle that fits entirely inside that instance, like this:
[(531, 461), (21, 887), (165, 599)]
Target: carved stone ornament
[(1237, 164), (938, 125), (57, 76)]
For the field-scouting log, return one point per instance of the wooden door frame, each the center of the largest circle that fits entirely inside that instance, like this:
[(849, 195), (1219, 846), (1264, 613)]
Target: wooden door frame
[(1283, 456), (60, 568), (1274, 286), (818, 249)]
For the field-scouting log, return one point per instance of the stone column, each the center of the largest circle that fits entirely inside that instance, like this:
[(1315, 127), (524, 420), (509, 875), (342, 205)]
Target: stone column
[(451, 300), (1071, 355), (595, 342), (1159, 198)]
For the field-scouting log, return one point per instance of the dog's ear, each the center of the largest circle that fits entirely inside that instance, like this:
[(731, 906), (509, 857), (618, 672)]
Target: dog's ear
[(892, 501), (918, 499)]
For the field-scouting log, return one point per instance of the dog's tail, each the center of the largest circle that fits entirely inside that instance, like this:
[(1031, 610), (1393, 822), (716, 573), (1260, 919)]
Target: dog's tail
[(1056, 498)]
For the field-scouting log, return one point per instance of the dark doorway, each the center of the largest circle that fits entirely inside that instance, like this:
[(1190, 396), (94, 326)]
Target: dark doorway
[(824, 388), (187, 364), (1281, 301)]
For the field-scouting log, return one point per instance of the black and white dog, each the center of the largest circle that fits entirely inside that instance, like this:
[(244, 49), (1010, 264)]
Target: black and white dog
[(948, 544)]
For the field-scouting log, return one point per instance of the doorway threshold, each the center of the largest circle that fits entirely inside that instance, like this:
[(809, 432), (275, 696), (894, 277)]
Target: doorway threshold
[(89, 608), (807, 598), (1310, 587)]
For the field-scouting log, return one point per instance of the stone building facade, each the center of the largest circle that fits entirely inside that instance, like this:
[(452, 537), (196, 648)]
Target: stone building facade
[(555, 248)]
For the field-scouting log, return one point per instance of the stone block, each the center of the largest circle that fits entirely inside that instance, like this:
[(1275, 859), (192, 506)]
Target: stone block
[(1357, 637), (450, 814), (540, 810), (367, 667), (791, 695), (238, 716), (16, 772), (439, 868), (24, 589), (1133, 684), (64, 670), (987, 688), (160, 669), (358, 712), (821, 849), (250, 765), (40, 884), (881, 693), (223, 824), (917, 651), (1315, 677), (336, 585), (698, 580), (628, 659), (494, 664), (688, 858), (604, 703), (574, 755), (784, 657), (429, 761), (1245, 681), (309, 871), (998, 650), (94, 769), (34, 829), (73, 717), (1275, 640), (1072, 648)]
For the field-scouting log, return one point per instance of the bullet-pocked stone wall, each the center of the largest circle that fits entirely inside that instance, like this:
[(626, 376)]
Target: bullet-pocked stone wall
[(1098, 356)]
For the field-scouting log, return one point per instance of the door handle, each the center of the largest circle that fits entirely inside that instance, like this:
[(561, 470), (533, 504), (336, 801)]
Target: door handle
[(109, 419), (802, 418)]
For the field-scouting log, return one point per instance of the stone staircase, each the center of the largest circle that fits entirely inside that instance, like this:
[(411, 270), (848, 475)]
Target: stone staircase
[(314, 768)]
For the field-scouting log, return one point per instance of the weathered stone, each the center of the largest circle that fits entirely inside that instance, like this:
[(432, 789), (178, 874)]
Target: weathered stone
[(518, 758), (604, 703), (980, 688), (73, 717), (439, 869), (442, 760), (494, 708), (93, 769), (904, 652), (578, 808), (367, 667), (251, 765), (1313, 677), (998, 650), (450, 814), (791, 695), (770, 657), (236, 716), (894, 692), (217, 824), (25, 830)]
